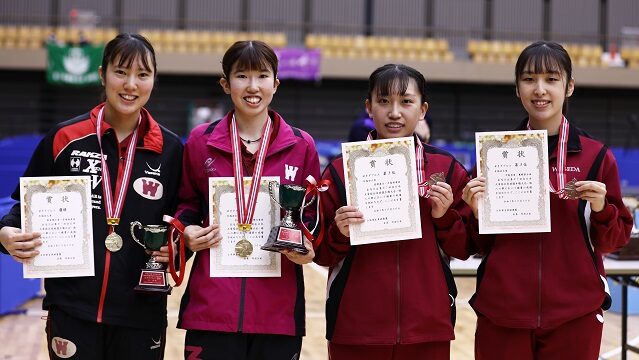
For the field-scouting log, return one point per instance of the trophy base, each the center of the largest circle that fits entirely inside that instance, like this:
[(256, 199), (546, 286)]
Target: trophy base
[(285, 238), (153, 282)]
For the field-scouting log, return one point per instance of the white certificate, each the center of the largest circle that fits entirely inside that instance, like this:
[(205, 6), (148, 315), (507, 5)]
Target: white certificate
[(515, 165), (381, 181), (224, 262), (59, 208)]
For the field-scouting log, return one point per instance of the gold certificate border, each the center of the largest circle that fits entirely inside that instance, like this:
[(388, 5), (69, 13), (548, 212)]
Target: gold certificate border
[(515, 140), (76, 184), (219, 187), (404, 147)]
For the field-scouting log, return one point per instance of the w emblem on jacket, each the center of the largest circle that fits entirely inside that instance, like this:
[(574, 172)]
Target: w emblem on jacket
[(148, 188), (290, 172)]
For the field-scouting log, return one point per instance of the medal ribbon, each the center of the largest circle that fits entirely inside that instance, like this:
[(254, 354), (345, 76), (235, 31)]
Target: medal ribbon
[(562, 152), (113, 212), (176, 225), (246, 209), (422, 183), (313, 188)]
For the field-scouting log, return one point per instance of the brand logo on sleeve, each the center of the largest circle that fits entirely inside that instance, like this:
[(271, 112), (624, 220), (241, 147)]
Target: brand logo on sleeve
[(87, 154), (152, 171), (94, 166), (95, 181), (156, 344), (208, 165), (290, 172), (63, 348), (75, 163), (148, 188)]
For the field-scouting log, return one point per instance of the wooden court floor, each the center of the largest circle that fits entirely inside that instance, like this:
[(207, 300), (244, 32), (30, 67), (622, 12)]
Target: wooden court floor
[(22, 336)]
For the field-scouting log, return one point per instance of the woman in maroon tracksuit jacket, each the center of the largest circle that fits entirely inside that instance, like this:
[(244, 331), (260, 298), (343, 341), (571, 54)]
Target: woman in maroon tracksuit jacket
[(395, 300), (541, 295), (250, 318)]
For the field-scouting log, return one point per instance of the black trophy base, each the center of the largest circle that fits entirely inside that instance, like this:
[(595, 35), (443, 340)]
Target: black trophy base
[(285, 238), (153, 282)]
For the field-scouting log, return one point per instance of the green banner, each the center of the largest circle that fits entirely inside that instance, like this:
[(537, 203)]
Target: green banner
[(73, 65)]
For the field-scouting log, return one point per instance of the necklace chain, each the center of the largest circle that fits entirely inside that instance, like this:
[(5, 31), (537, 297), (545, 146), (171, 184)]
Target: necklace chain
[(250, 141)]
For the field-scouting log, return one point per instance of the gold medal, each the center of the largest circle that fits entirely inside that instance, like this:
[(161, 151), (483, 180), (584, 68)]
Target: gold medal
[(113, 202), (246, 205), (243, 248), (113, 242)]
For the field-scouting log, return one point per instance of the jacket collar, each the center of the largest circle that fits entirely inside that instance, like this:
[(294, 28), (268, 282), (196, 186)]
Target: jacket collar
[(220, 136), (150, 136), (574, 143)]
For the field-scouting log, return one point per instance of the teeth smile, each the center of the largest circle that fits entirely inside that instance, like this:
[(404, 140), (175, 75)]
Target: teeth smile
[(252, 99), (396, 126), (541, 102), (128, 97)]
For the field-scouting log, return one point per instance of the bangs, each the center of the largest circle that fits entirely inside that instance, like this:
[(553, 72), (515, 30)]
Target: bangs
[(251, 59), (128, 51), (544, 57), (393, 79), (249, 55), (541, 63), (391, 82)]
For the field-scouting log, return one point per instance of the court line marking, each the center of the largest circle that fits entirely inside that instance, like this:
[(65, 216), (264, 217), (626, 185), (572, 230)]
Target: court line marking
[(617, 350)]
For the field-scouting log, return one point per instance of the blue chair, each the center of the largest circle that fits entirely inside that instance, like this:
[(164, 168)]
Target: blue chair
[(14, 290)]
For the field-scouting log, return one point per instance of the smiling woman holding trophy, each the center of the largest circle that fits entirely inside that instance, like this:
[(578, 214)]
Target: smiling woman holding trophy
[(134, 166), (242, 301)]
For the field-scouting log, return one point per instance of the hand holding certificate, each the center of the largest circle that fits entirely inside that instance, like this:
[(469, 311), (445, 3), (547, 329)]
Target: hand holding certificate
[(515, 165), (381, 181), (59, 208)]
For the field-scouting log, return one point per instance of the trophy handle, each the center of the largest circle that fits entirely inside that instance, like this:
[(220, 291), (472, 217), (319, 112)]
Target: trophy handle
[(133, 226), (270, 192)]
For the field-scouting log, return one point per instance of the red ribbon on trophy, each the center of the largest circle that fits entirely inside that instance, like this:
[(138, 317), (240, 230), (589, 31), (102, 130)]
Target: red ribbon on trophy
[(176, 225), (314, 188)]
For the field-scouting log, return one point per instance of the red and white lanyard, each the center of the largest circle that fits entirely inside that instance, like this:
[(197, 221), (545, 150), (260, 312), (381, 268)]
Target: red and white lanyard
[(246, 209), (112, 210), (562, 153), (422, 183)]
